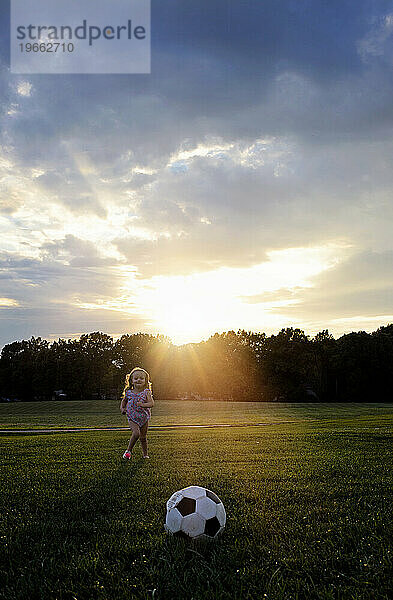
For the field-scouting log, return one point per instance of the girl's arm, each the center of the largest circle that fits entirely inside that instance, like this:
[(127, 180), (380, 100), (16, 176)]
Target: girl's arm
[(149, 400), (124, 401)]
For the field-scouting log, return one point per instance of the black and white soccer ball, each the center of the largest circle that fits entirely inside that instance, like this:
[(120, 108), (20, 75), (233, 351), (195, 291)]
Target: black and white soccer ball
[(195, 513)]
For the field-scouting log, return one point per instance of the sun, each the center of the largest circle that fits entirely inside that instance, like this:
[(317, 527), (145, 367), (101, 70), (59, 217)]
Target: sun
[(184, 307)]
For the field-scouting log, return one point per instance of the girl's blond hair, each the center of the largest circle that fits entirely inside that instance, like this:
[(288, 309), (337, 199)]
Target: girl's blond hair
[(128, 382)]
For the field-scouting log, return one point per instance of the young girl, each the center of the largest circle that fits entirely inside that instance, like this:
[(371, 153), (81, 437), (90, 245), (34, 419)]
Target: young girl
[(136, 402)]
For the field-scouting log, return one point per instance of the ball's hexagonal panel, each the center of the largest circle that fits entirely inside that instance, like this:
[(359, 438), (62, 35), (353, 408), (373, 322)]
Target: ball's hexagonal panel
[(186, 506), (206, 507), (193, 525), (174, 499), (194, 491), (221, 514), (212, 527), (173, 520), (213, 496)]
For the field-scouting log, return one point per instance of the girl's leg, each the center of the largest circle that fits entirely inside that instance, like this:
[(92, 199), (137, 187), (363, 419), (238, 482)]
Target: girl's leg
[(143, 438), (135, 434)]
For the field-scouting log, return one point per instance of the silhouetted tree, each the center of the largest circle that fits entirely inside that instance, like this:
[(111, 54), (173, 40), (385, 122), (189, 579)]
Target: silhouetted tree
[(240, 365)]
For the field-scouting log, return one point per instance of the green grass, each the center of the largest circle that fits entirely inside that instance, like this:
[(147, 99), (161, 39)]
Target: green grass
[(309, 512), (26, 415)]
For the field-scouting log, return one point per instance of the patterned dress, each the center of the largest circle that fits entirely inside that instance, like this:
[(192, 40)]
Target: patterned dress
[(137, 414)]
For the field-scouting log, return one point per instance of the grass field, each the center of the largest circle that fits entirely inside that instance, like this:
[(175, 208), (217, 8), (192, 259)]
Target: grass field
[(36, 415), (309, 505)]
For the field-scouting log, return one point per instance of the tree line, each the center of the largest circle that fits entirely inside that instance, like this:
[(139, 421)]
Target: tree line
[(240, 366)]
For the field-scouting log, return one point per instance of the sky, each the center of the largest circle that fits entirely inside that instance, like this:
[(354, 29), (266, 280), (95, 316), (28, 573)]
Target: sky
[(246, 183)]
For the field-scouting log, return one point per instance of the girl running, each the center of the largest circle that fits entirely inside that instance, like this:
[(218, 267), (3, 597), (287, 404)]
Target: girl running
[(136, 402)]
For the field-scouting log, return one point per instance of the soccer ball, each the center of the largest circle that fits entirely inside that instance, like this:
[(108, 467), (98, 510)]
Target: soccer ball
[(195, 513)]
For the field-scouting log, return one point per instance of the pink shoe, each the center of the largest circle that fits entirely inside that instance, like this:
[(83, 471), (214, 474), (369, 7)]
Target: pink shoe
[(127, 454)]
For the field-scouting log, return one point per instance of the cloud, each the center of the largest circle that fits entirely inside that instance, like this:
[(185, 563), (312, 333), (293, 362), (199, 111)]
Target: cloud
[(38, 282), (360, 285), (201, 251), (264, 125), (77, 252), (6, 302), (236, 71), (43, 295), (25, 88), (376, 44), (229, 209), (63, 321)]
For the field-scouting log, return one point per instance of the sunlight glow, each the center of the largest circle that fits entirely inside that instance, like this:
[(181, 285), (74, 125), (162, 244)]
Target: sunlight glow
[(7, 302), (361, 323), (191, 307), (200, 150), (24, 88), (188, 308)]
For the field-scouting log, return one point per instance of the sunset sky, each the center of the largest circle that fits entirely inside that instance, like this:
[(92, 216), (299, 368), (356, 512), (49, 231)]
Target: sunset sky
[(245, 183)]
